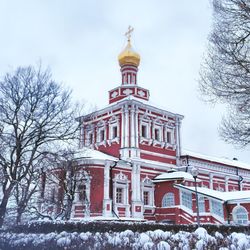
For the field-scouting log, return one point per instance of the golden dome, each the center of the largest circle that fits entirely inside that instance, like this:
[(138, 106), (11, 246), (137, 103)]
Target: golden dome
[(128, 56)]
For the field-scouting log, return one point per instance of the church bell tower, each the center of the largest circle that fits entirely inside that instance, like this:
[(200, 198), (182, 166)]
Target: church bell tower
[(129, 61)]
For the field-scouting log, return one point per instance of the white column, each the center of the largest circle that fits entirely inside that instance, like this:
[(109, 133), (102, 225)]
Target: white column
[(211, 181), (106, 179), (107, 203), (87, 204), (122, 133), (127, 209), (126, 130), (226, 183), (132, 127), (241, 185), (136, 129), (178, 140), (137, 205)]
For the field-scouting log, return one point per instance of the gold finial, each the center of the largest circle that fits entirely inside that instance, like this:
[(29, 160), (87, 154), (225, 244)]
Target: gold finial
[(128, 56), (128, 33)]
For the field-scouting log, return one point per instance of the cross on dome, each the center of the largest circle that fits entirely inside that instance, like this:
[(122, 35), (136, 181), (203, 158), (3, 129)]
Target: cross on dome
[(128, 33)]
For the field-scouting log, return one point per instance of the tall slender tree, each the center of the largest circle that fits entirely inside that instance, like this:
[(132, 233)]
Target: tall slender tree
[(225, 72)]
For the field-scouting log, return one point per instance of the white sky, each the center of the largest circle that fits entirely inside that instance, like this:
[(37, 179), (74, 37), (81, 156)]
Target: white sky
[(81, 39)]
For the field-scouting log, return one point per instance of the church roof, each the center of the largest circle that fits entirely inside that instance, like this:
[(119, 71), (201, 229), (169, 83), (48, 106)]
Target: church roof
[(94, 154), (232, 196), (174, 176), (220, 160)]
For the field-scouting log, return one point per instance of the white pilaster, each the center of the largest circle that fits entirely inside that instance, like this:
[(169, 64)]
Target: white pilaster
[(226, 183), (136, 129), (123, 129), (178, 140), (132, 127), (211, 181), (126, 130), (107, 203), (137, 205)]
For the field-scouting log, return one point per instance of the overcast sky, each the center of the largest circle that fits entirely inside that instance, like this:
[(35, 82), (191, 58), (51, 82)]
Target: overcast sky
[(80, 41)]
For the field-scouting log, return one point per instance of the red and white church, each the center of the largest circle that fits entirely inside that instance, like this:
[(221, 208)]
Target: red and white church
[(136, 168)]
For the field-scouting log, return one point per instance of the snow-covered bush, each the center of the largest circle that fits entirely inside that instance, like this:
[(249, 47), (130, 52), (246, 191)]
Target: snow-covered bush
[(155, 240)]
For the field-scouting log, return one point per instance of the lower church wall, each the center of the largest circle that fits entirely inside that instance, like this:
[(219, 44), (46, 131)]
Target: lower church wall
[(96, 190)]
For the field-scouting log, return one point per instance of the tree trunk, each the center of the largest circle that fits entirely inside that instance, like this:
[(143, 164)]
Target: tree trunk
[(3, 205), (68, 209), (20, 211)]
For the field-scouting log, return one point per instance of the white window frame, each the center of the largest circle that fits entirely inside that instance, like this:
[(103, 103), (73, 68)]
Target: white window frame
[(201, 204), (114, 122), (122, 195), (171, 132), (186, 200), (168, 200), (89, 130), (89, 142), (157, 128), (236, 219), (147, 186), (100, 131), (113, 134), (216, 208), (121, 181), (148, 197), (84, 179), (143, 123)]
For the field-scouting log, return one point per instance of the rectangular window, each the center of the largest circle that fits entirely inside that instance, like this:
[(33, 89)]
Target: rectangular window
[(157, 134), (82, 192), (201, 202), (146, 197), (169, 137), (114, 132), (90, 138), (119, 195), (217, 208), (101, 135), (186, 199), (144, 131)]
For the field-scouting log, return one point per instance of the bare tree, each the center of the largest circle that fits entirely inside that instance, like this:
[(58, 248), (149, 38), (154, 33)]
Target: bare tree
[(66, 183), (25, 190), (225, 73), (36, 114)]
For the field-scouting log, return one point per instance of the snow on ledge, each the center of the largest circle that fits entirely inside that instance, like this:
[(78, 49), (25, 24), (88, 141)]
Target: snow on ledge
[(94, 154), (219, 160), (223, 196), (173, 176)]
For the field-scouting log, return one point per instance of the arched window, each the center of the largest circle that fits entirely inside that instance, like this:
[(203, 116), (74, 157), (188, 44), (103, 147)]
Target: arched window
[(168, 200), (240, 215)]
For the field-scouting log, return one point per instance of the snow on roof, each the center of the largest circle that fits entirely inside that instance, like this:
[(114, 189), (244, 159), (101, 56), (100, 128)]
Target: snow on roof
[(94, 154), (220, 160), (174, 175), (158, 163), (223, 196)]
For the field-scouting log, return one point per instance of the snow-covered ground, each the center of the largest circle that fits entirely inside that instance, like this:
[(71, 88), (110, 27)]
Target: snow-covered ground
[(156, 239)]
